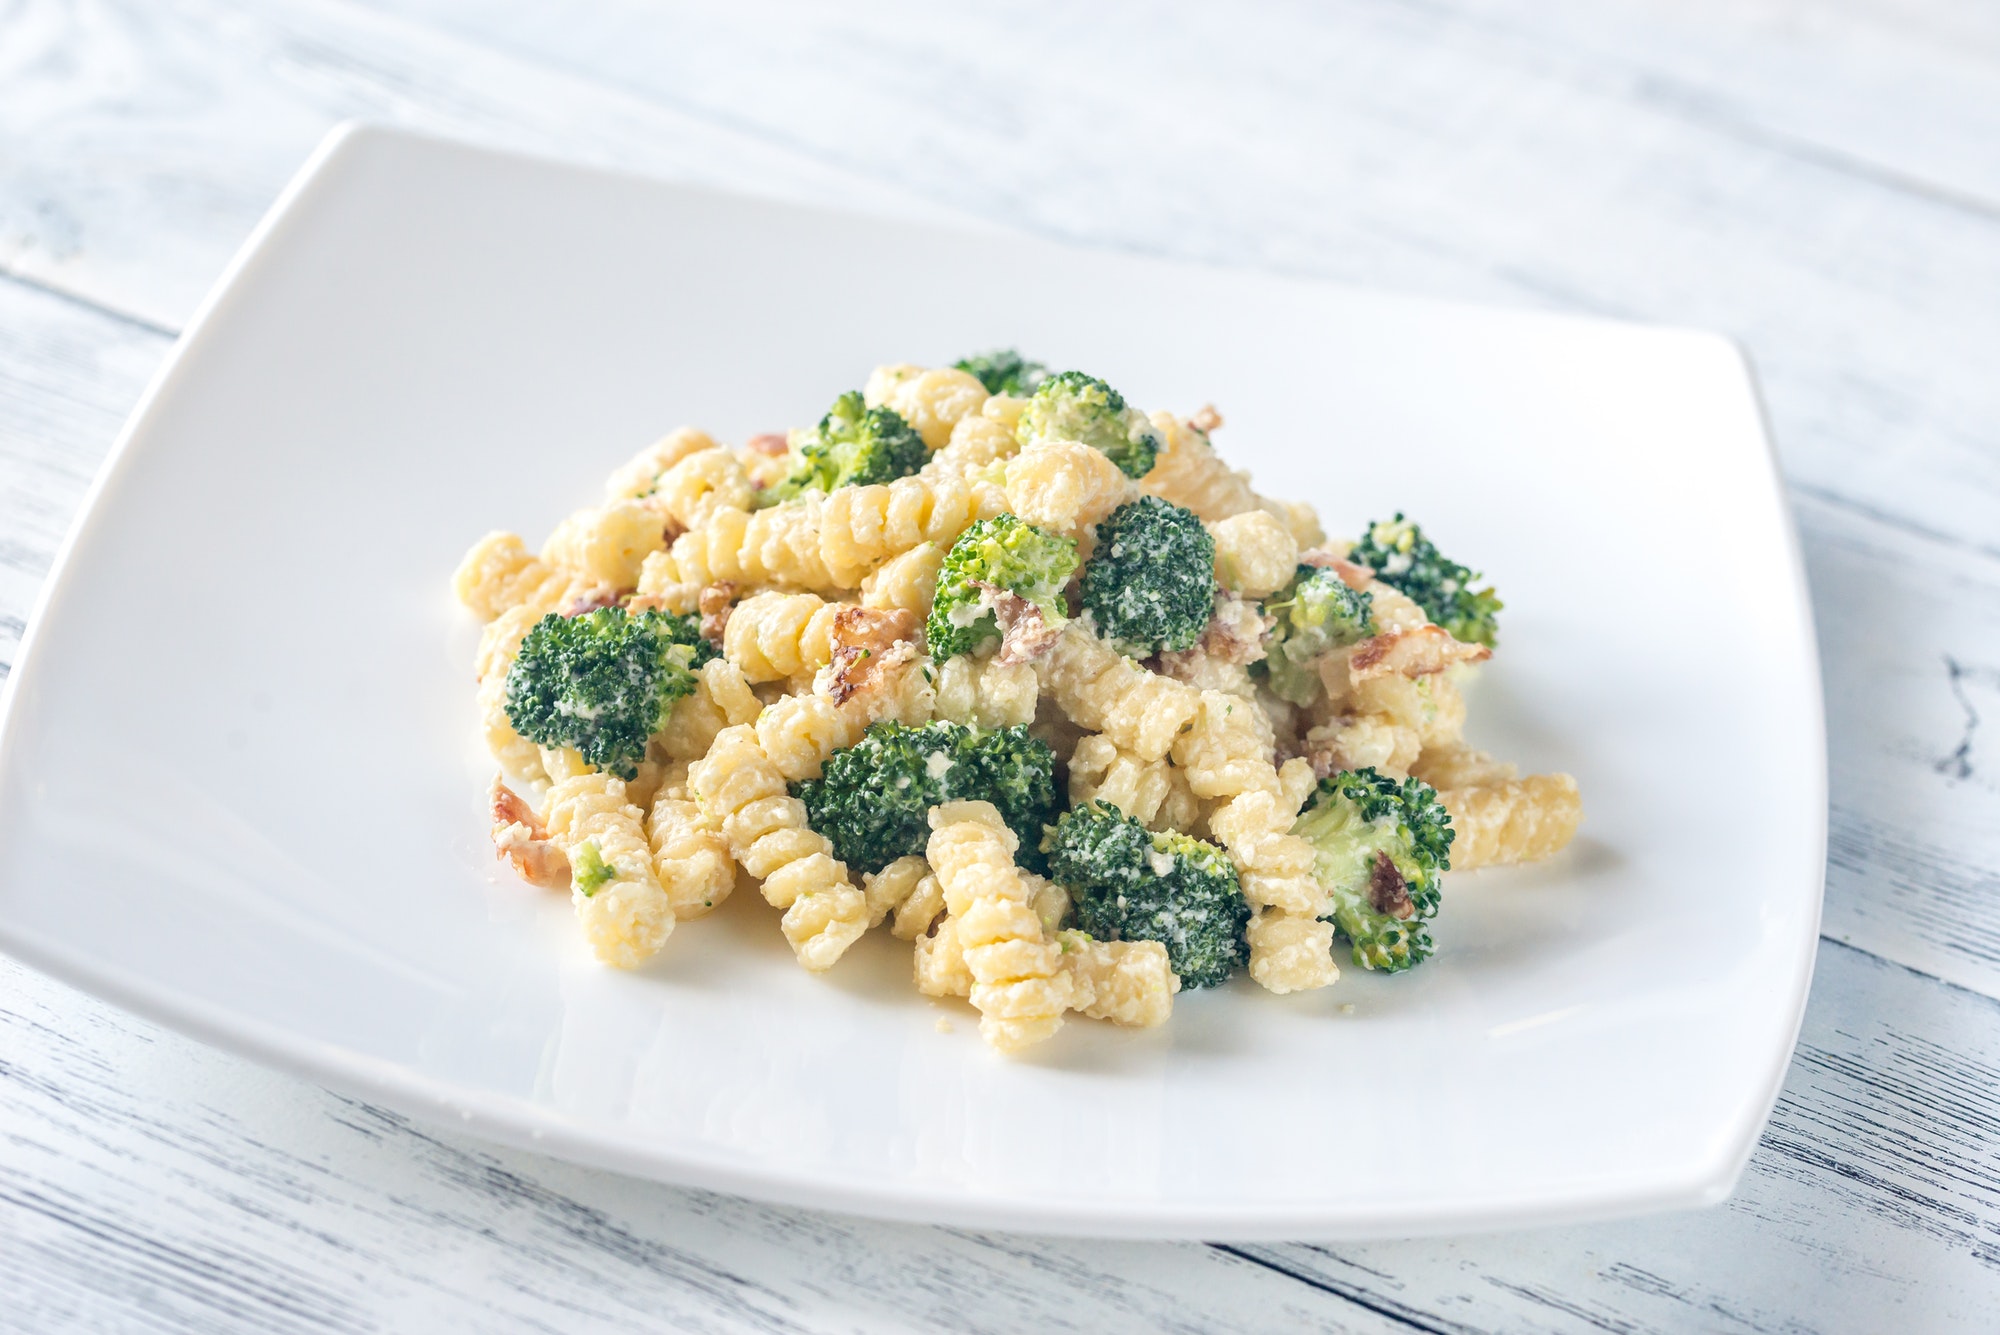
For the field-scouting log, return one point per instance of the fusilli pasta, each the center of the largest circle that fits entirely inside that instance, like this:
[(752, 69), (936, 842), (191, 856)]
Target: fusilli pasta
[(1018, 984), (626, 916), (744, 796), (1103, 691), (1514, 820), (863, 526)]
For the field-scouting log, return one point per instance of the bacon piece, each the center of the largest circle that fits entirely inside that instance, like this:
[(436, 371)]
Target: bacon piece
[(1025, 634), (715, 603), (867, 641), (1386, 890), (519, 837), (771, 443), (1353, 575), (1206, 419), (590, 602)]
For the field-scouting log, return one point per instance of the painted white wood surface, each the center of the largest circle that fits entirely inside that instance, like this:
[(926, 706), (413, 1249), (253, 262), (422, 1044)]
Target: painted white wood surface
[(1818, 179)]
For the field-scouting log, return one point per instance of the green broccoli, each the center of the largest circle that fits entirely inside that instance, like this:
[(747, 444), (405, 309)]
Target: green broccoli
[(1315, 614), (853, 445), (1381, 849), (1073, 406), (603, 682), (1003, 554), (1129, 884), (593, 873), (1403, 558), (873, 799), (1004, 371), (1151, 583)]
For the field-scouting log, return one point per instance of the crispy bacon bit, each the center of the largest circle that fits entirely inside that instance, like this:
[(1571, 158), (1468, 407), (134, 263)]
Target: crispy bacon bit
[(519, 837), (715, 603), (1411, 653), (1352, 575), (1025, 634), (590, 602), (1386, 890), (867, 642), (1205, 419), (768, 442)]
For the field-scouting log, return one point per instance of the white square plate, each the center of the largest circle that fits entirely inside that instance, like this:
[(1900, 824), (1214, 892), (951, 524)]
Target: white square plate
[(243, 793)]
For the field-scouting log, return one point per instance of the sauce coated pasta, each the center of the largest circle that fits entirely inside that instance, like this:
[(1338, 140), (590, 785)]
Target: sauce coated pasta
[(997, 664)]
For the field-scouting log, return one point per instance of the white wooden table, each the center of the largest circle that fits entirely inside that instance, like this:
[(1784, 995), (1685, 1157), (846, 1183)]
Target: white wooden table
[(1821, 180)]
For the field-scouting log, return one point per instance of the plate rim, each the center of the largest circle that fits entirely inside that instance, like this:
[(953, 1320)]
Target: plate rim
[(518, 1124)]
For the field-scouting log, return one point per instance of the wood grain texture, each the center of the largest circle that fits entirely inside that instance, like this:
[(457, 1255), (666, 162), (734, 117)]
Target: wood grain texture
[(143, 141), (1716, 165)]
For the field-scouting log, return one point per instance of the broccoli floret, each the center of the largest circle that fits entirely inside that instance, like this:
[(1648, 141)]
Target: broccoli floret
[(1315, 614), (1381, 849), (873, 800), (1073, 406), (1151, 583), (1129, 884), (1004, 371), (853, 445), (593, 873), (1403, 558), (603, 682), (1004, 553)]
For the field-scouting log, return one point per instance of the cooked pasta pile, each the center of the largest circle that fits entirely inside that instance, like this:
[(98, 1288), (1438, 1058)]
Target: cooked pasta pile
[(1030, 678)]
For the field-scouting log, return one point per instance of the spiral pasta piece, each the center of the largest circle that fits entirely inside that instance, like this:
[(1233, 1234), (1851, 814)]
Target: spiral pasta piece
[(984, 693), (721, 697), (662, 585), (861, 527), (690, 860), (1255, 554), (1452, 764), (1226, 753), (775, 635), (1103, 691), (702, 482), (638, 478), (606, 547), (1290, 952), (799, 732), (907, 581), (1152, 792), (977, 441), (1018, 984), (1065, 486), (935, 401), (1514, 820), (889, 889), (1125, 982), (775, 546), (500, 573), (626, 916), (520, 760), (743, 795)]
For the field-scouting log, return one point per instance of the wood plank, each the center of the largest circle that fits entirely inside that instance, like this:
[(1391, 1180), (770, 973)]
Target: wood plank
[(1903, 88), (1872, 1204), (1909, 632), (135, 200), (68, 376)]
